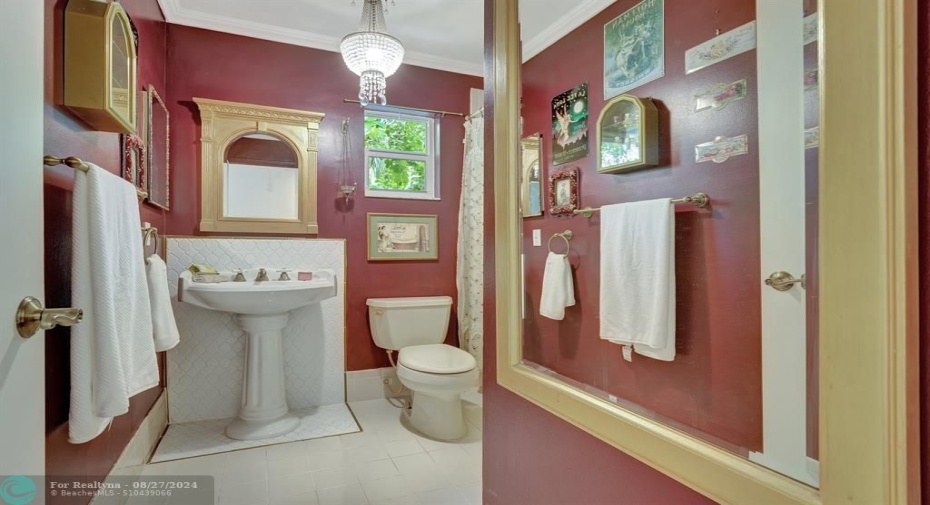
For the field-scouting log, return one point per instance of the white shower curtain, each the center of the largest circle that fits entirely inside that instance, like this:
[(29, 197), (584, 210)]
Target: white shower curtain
[(469, 274)]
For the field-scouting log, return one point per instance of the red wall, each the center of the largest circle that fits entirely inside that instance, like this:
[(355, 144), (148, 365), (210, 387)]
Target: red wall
[(714, 384), (215, 65), (66, 135)]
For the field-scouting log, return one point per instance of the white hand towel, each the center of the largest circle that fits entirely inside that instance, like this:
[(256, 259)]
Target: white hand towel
[(112, 350), (558, 287), (163, 323), (638, 277)]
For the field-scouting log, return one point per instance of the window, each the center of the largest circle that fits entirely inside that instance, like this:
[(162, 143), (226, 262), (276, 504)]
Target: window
[(401, 154)]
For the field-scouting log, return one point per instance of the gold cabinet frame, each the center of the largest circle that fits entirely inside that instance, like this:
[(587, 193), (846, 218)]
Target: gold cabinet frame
[(222, 123), (647, 139), (869, 406), (88, 65)]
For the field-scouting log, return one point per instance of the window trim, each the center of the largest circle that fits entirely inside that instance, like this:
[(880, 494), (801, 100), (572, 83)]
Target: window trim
[(431, 157)]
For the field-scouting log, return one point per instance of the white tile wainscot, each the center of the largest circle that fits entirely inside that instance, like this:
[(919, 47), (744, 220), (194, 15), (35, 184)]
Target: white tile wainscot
[(205, 371)]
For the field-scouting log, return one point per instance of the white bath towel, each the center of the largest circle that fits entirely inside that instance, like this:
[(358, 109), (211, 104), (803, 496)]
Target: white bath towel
[(163, 323), (112, 350), (638, 277), (558, 287)]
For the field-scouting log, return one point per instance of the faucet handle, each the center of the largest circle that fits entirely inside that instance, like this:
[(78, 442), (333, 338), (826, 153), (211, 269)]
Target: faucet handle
[(284, 276), (240, 277), (262, 275)]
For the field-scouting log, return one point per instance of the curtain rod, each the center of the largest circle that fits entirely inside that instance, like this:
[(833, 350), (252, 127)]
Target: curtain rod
[(440, 112)]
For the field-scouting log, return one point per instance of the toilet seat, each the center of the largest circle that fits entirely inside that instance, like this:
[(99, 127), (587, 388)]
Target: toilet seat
[(436, 359)]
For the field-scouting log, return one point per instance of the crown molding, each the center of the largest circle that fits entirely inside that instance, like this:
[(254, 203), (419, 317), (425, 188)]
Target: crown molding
[(585, 10), (176, 14)]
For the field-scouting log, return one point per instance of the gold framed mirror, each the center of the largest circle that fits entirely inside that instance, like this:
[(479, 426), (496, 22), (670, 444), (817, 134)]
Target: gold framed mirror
[(258, 168), (867, 354)]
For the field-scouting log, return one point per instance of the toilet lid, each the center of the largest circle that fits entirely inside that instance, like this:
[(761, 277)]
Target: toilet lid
[(436, 358)]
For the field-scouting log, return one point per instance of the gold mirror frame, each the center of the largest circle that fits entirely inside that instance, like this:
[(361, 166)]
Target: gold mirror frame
[(869, 407), (222, 123)]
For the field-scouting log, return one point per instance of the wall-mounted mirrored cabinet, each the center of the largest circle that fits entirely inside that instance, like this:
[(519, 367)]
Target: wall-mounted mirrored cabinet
[(531, 179), (258, 167), (157, 150), (100, 65), (627, 135)]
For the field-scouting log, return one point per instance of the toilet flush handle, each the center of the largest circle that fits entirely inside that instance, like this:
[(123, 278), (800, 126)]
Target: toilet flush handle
[(379, 312)]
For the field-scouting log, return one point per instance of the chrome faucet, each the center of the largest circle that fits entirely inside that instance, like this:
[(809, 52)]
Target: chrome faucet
[(284, 276), (262, 275), (239, 277)]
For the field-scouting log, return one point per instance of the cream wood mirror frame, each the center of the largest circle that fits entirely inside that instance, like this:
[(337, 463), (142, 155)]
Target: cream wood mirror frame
[(869, 417), (224, 122)]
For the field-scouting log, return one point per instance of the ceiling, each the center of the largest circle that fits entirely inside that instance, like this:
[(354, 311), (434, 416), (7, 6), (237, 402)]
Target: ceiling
[(442, 34)]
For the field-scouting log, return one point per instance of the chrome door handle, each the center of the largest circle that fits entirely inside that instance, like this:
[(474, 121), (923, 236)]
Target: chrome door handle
[(783, 281), (30, 317)]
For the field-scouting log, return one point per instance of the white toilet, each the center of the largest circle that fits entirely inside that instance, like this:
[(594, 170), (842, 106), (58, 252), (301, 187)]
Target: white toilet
[(436, 373)]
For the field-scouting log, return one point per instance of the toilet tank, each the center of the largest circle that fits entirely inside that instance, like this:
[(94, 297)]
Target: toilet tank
[(400, 322)]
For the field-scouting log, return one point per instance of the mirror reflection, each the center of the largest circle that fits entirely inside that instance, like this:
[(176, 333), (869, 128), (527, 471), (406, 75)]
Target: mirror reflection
[(260, 178), (158, 149), (531, 178), (668, 308)]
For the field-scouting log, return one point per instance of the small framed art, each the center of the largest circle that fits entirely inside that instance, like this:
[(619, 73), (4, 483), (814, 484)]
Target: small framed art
[(563, 192), (393, 237), (133, 149)]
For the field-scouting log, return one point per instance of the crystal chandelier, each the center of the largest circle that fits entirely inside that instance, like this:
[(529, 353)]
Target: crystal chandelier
[(372, 54)]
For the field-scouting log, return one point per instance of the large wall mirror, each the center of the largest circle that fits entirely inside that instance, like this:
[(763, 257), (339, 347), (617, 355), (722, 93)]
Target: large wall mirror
[(259, 167), (746, 375)]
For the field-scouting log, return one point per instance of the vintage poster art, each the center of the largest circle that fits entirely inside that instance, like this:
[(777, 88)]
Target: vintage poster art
[(570, 125), (634, 48), (736, 41), (402, 237), (810, 28)]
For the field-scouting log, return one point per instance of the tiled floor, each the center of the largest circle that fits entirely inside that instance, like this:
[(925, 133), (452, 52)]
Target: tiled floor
[(384, 464), (188, 440)]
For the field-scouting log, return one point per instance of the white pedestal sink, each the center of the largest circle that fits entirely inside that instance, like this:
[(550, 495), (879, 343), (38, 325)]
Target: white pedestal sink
[(261, 309)]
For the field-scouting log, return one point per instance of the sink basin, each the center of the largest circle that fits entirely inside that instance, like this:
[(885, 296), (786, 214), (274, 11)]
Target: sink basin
[(257, 298), (261, 309)]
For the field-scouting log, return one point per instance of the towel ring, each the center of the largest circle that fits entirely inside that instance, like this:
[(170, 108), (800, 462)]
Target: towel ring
[(566, 236)]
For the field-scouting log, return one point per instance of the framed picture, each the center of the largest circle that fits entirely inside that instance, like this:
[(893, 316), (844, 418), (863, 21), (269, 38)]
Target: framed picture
[(563, 192), (570, 125), (133, 149), (393, 237), (634, 48)]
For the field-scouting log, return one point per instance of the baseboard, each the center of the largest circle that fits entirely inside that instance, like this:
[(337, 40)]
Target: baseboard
[(142, 444), (372, 384)]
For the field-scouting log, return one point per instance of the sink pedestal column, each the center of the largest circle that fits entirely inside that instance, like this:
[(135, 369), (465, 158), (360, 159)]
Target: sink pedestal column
[(264, 412)]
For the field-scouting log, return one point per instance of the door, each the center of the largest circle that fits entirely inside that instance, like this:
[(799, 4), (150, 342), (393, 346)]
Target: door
[(22, 361), (780, 47)]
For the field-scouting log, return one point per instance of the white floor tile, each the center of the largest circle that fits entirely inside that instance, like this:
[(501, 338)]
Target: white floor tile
[(386, 489), (290, 485), (471, 492), (335, 477), (404, 447), (374, 470), (449, 457), (446, 496), (323, 460), (365, 453), (301, 499), (244, 493), (325, 444), (359, 439), (414, 463), (285, 451), (345, 495), (428, 480), (289, 466)]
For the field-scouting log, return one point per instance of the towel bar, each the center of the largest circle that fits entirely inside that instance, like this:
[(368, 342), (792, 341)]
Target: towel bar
[(701, 200), (566, 236), (77, 164)]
